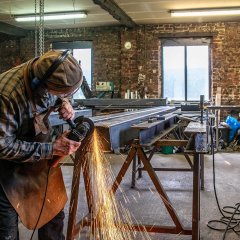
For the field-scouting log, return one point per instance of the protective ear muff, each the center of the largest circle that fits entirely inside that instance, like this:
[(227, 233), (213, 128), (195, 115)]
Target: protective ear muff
[(35, 83)]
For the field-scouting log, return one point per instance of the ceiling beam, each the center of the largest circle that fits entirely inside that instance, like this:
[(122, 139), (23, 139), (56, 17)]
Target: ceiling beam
[(111, 7), (12, 30)]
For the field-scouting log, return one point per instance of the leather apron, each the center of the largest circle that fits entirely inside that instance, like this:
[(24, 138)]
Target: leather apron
[(34, 189)]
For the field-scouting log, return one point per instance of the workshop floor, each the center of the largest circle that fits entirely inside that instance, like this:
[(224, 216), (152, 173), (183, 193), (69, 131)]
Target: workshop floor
[(145, 203)]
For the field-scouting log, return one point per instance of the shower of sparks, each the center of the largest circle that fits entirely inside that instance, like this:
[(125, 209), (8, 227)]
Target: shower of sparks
[(110, 220)]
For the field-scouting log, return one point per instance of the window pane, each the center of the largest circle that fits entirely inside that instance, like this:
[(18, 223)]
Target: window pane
[(84, 55), (173, 73), (197, 72)]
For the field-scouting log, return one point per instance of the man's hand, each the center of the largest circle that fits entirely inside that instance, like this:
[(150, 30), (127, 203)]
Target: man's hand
[(66, 111), (63, 146)]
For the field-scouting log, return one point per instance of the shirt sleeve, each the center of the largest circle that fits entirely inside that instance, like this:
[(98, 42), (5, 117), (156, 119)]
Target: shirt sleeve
[(12, 148)]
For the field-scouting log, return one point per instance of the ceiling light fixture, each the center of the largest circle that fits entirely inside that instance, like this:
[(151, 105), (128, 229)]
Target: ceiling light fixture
[(50, 16), (205, 12)]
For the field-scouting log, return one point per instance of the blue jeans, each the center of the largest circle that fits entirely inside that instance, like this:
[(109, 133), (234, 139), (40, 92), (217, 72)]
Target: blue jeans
[(53, 230)]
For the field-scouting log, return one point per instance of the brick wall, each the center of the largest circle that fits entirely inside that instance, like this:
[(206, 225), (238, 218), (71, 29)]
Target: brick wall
[(112, 62), (9, 52)]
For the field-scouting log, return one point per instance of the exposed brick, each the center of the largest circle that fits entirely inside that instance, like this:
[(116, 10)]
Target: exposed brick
[(112, 62)]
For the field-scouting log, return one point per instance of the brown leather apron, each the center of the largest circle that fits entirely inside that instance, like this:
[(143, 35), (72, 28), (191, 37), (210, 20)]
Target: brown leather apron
[(25, 183)]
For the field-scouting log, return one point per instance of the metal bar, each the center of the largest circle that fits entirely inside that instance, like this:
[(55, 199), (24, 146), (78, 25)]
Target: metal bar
[(139, 167), (196, 198), (118, 103), (202, 170), (134, 167), (107, 117), (136, 117)]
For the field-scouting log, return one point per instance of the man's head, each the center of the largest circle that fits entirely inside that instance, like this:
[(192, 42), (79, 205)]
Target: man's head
[(234, 113), (59, 72)]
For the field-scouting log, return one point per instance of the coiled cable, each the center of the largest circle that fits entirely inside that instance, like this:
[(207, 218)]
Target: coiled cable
[(230, 221)]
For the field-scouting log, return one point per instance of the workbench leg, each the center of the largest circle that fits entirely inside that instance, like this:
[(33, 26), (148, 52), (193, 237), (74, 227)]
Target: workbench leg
[(196, 198), (202, 170)]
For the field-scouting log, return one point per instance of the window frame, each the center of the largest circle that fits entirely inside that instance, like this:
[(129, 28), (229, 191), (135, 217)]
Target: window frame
[(185, 42), (76, 45)]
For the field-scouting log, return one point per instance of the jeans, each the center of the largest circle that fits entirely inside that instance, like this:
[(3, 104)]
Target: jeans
[(53, 230)]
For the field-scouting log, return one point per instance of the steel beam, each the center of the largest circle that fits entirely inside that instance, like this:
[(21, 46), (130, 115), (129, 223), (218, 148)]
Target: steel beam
[(12, 30), (118, 131), (114, 10)]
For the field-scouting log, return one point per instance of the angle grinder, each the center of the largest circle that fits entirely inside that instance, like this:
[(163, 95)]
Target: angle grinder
[(81, 129)]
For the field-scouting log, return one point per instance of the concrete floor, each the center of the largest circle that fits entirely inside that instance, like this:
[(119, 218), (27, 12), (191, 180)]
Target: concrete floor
[(147, 207)]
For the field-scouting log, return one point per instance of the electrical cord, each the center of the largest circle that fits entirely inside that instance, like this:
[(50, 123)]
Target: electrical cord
[(231, 222), (227, 228), (44, 200)]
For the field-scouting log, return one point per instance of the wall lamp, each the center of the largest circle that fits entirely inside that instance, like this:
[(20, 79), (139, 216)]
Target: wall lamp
[(50, 16), (205, 12)]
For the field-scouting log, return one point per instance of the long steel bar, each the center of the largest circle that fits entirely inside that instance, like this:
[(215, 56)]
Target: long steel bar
[(138, 115), (121, 103)]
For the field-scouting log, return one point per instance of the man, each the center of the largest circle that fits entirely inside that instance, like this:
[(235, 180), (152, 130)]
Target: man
[(29, 187), (233, 124)]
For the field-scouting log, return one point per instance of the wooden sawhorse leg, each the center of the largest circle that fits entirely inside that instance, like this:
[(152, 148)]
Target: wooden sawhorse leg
[(80, 163), (136, 149)]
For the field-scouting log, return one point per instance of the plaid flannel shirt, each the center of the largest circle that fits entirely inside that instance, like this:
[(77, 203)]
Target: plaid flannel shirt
[(16, 120)]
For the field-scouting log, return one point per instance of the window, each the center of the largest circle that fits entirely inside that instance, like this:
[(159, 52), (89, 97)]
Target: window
[(82, 51), (185, 69)]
